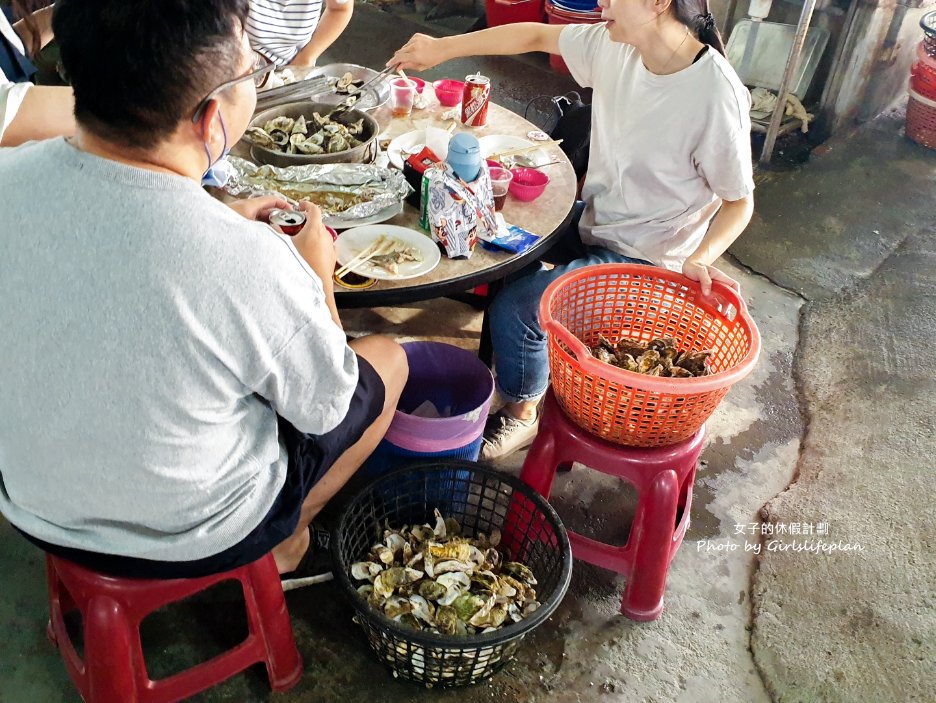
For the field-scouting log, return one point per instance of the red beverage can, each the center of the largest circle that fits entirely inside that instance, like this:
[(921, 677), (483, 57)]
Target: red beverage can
[(475, 100), (290, 221)]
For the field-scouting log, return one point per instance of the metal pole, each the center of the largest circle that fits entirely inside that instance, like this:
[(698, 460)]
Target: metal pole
[(729, 19), (791, 67), (837, 72)]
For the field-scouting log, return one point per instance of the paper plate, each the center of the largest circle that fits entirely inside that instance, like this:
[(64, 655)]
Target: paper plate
[(352, 242), (406, 145)]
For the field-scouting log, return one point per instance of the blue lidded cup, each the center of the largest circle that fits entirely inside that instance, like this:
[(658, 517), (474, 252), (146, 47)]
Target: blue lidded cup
[(464, 156)]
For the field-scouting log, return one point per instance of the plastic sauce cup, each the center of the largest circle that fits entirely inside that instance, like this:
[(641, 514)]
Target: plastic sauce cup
[(402, 96), (500, 183)]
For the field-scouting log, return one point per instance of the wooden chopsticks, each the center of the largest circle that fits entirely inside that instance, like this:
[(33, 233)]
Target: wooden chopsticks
[(375, 248), (523, 150)]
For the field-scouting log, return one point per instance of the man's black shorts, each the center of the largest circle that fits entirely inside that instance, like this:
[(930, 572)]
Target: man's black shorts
[(310, 457)]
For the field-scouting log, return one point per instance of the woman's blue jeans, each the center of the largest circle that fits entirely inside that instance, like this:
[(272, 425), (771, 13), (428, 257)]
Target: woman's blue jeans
[(520, 351)]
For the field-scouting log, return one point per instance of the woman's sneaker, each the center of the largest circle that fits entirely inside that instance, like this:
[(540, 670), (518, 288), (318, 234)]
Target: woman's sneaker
[(504, 434)]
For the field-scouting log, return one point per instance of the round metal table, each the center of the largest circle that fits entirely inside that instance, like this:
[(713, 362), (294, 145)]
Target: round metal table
[(547, 216)]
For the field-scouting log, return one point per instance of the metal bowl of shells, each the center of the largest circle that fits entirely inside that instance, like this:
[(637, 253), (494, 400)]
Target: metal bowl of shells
[(309, 133), (449, 566)]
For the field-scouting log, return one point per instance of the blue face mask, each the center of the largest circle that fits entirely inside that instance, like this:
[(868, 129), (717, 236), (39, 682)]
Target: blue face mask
[(218, 172)]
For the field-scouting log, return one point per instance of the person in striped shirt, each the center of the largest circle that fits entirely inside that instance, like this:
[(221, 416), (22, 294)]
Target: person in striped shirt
[(296, 32)]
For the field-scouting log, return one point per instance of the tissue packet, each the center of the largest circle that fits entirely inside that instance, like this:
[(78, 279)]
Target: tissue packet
[(514, 238)]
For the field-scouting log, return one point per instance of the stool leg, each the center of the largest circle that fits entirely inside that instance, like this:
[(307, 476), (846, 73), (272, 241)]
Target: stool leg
[(110, 641), (269, 620), (653, 530), (521, 528), (539, 467)]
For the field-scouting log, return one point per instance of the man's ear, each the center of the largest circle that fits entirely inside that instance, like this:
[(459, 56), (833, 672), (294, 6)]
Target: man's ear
[(207, 119)]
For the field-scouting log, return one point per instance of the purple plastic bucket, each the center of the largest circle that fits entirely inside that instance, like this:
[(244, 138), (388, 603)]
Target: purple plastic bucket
[(460, 386)]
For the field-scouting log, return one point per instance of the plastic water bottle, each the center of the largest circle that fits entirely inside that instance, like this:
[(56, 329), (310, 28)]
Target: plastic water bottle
[(464, 156)]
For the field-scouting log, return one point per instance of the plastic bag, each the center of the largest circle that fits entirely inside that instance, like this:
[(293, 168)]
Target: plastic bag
[(459, 213)]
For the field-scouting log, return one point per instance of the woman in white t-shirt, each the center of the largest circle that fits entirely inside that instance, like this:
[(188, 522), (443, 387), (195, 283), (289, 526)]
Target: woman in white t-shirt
[(669, 178), (29, 112), (296, 32)]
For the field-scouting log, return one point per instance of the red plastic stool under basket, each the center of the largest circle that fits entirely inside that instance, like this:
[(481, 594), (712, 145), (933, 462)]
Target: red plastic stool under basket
[(112, 608), (643, 303), (923, 74), (921, 120), (663, 478)]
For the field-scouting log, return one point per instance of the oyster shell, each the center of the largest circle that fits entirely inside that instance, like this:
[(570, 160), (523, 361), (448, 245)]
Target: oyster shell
[(346, 80), (362, 570), (281, 123), (299, 126), (260, 137)]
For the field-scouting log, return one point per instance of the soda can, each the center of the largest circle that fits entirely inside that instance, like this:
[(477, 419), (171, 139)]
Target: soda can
[(290, 221), (475, 100)]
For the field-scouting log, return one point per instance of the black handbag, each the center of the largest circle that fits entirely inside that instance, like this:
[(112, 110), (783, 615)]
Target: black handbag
[(568, 119)]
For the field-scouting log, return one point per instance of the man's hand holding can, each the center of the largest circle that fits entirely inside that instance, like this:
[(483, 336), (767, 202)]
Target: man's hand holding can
[(258, 208), (315, 243)]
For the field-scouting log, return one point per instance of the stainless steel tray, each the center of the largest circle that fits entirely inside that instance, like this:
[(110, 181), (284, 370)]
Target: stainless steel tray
[(316, 86), (768, 58), (374, 96)]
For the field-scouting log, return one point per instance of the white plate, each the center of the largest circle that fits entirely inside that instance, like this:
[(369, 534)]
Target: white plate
[(352, 242), (404, 146), (338, 222)]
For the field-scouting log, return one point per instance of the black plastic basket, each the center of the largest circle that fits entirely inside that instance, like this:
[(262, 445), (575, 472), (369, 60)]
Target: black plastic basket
[(480, 499), (928, 25)]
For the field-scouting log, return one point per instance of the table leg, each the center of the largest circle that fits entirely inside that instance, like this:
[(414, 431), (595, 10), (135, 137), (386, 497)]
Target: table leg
[(485, 349)]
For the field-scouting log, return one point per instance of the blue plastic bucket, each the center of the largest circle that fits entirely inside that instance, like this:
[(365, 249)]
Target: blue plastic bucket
[(460, 386)]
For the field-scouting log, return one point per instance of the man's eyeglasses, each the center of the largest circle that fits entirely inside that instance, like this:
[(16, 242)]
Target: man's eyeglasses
[(260, 72)]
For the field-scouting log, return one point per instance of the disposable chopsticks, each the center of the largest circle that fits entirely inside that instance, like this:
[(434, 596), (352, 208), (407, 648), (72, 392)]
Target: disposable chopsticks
[(374, 249), (523, 150)]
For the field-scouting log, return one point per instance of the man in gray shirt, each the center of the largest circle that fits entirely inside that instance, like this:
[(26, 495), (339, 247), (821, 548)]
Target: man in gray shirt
[(178, 397)]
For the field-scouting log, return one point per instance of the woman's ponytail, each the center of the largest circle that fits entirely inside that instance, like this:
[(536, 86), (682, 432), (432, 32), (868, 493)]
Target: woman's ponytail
[(695, 15)]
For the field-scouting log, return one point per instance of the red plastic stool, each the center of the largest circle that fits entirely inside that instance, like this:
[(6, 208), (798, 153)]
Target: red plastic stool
[(663, 477), (112, 609)]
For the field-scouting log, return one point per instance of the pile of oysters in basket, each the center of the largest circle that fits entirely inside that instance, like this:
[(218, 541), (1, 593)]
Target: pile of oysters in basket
[(431, 578), (659, 357), (319, 135)]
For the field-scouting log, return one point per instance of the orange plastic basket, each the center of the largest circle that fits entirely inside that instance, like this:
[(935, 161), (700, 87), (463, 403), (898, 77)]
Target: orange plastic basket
[(642, 302)]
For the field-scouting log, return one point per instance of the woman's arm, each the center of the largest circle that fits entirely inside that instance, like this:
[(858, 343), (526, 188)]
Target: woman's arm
[(422, 52), (46, 111), (727, 226), (333, 22), (42, 19)]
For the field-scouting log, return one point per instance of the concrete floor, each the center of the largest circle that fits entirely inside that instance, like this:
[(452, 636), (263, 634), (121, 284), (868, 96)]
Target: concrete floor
[(835, 426)]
